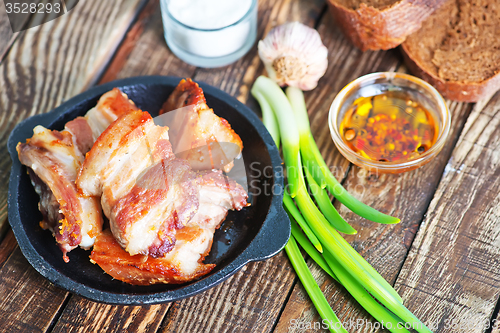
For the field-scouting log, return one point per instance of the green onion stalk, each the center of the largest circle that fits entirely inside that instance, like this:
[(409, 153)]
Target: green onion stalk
[(316, 165), (291, 248), (312, 288), (326, 207), (329, 265), (339, 259), (278, 102)]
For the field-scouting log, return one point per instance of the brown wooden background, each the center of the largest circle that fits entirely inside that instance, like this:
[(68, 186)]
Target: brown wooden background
[(443, 257)]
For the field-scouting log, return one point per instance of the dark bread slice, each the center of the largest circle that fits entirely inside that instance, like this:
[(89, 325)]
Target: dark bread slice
[(458, 49), (381, 24)]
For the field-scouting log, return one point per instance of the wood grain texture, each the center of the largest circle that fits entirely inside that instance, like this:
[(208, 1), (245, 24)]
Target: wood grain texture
[(406, 195), (249, 301), (452, 272), (53, 62), (6, 34), (81, 315), (28, 302), (7, 246)]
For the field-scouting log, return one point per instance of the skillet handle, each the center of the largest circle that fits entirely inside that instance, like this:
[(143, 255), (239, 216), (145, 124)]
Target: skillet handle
[(273, 235)]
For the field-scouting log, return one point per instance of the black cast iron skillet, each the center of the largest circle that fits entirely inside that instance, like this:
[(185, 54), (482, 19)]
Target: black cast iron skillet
[(255, 233)]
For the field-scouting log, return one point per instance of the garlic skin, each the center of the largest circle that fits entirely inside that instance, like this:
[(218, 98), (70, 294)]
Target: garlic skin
[(294, 55)]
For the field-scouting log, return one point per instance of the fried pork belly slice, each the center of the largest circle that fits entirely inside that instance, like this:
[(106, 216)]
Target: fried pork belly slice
[(217, 194), (145, 192), (163, 200), (53, 160), (82, 134), (110, 106), (184, 263), (146, 270), (197, 133)]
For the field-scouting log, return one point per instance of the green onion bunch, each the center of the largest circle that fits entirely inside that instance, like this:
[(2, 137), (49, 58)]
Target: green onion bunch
[(315, 226)]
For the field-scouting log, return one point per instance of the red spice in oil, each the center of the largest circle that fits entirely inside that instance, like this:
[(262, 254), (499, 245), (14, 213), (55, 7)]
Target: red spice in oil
[(390, 127)]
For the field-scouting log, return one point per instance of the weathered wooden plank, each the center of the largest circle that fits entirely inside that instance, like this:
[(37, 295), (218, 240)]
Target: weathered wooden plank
[(6, 34), (143, 52), (7, 246), (406, 195), (55, 61), (247, 302), (451, 275), (81, 315), (28, 302), (47, 65)]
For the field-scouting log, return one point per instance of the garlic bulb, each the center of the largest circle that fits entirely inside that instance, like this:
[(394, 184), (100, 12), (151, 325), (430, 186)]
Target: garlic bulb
[(294, 55)]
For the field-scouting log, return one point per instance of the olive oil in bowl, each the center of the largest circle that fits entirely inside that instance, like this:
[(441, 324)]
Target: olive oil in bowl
[(389, 122), (390, 127)]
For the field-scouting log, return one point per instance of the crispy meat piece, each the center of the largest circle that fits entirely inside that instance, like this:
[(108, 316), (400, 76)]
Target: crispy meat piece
[(145, 193), (184, 263), (146, 270), (197, 133), (110, 106), (185, 94), (53, 160)]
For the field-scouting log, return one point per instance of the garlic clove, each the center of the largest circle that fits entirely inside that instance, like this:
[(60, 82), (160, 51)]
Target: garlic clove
[(294, 55)]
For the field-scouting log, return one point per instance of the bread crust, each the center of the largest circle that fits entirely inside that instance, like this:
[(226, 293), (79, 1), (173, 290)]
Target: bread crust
[(457, 91), (369, 28)]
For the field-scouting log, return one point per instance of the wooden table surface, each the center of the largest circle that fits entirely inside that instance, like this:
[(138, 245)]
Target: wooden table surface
[(443, 258)]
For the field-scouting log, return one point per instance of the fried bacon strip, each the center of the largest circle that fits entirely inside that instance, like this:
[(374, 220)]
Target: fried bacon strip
[(53, 159), (197, 134), (162, 214), (87, 129), (146, 270), (184, 263), (146, 192), (130, 167)]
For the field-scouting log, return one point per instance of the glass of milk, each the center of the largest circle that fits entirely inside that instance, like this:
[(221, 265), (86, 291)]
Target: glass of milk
[(209, 33)]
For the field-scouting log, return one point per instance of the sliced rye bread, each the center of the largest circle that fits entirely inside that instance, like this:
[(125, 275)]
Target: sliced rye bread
[(457, 50), (380, 24)]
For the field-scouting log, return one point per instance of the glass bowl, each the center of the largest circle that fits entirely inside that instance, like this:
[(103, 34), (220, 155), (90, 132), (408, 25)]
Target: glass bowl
[(210, 48), (379, 83)]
